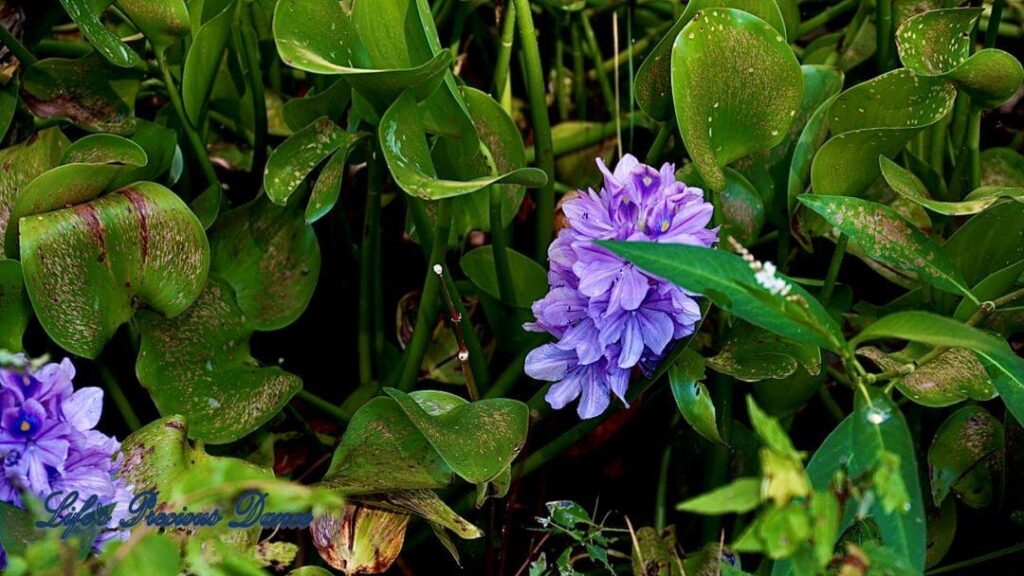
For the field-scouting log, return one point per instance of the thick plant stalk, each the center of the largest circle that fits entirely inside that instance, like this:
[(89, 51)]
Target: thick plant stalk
[(254, 75), (17, 48), (508, 30), (541, 127), (198, 147), (884, 31), (602, 75)]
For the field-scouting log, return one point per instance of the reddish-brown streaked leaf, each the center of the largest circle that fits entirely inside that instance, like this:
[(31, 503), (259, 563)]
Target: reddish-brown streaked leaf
[(970, 437), (21, 164)]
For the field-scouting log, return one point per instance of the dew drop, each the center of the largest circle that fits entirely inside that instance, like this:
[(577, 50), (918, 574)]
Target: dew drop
[(876, 415)]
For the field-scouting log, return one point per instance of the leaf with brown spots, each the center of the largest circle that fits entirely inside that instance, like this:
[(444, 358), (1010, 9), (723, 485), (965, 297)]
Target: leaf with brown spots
[(198, 364), (293, 161), (14, 306), (883, 235), (736, 86), (971, 437), (89, 267), (104, 40), (21, 164), (952, 377), (89, 92), (161, 21), (753, 354)]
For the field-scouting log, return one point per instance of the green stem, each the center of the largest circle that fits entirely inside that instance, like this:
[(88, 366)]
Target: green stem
[(977, 560), (661, 494), (117, 395), (427, 313), (254, 74), (322, 405), (578, 72), (665, 132), (470, 354), (508, 30), (541, 127), (17, 48), (635, 49), (994, 19), (371, 220), (974, 148), (718, 460), (589, 136), (826, 16), (833, 269), (884, 34), (507, 380), (561, 99), (602, 75), (198, 147)]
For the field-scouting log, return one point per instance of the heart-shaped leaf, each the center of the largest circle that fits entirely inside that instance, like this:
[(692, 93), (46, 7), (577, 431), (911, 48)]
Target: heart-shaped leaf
[(872, 119), (162, 22), (736, 87), (653, 82), (270, 257), (203, 61), (104, 40), (728, 281), (14, 306), (88, 91), (969, 438), (884, 236), (478, 440), (292, 161), (88, 267), (198, 365), (908, 185), (752, 354), (951, 377), (692, 397), (404, 142), (21, 164)]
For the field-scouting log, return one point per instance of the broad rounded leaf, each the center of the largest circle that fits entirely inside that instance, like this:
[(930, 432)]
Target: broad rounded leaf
[(952, 377), (1002, 167), (883, 235), (155, 453), (968, 438), (990, 76), (203, 61), (87, 268), (736, 86), (271, 258), (330, 102), (692, 397), (21, 164), (529, 279), (161, 21), (104, 40), (875, 118), (198, 364), (404, 142), (752, 354)]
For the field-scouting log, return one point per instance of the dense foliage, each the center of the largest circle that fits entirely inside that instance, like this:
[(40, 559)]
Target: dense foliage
[(358, 255)]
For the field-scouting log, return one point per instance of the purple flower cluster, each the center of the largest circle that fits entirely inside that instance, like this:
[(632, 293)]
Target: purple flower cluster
[(48, 442), (608, 315)]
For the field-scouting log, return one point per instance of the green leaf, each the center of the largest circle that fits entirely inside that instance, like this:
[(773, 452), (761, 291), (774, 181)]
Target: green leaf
[(327, 188), (105, 41), (1002, 167), (880, 429), (17, 528), (990, 76), (162, 22), (752, 354), (270, 257), (653, 82), (8, 104), (736, 87), (203, 62), (292, 161), (88, 92), (15, 308), (155, 454), (160, 145), (952, 377), (909, 186), (478, 440), (874, 118), (969, 438), (22, 164), (692, 397), (1004, 367), (428, 505), (529, 279), (884, 236), (804, 224), (992, 287), (740, 206), (985, 233), (739, 496), (728, 281), (405, 147), (330, 102), (154, 553), (87, 268), (198, 364)]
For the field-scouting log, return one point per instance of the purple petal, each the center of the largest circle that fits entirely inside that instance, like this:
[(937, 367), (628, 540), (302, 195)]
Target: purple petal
[(548, 363), (657, 329), (632, 344), (593, 399), (561, 393), (84, 408), (631, 288)]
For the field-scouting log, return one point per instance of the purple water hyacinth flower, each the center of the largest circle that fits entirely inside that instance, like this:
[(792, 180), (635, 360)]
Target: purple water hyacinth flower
[(607, 315), (48, 442)]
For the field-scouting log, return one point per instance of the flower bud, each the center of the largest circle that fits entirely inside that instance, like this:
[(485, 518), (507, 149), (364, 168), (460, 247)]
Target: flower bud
[(363, 541)]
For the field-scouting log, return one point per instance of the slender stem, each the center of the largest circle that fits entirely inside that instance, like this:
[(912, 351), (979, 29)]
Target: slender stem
[(462, 327), (602, 75), (665, 132), (17, 48), (826, 16), (117, 395), (541, 127), (561, 98), (426, 315), (499, 243), (994, 19), (322, 405), (977, 560), (508, 30), (371, 220), (830, 403), (833, 269), (884, 34), (508, 379), (661, 494), (974, 148), (578, 72), (198, 147), (717, 471), (636, 48), (250, 52), (588, 136)]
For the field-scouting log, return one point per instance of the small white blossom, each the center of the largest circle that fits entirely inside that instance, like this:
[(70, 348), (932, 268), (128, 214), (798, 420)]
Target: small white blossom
[(766, 277)]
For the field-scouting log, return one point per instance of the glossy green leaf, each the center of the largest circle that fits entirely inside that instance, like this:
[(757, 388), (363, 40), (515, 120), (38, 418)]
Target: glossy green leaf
[(23, 163), (941, 524), (327, 188), (92, 94), (104, 40), (875, 118), (728, 281), (653, 82), (330, 102), (994, 285), (736, 87), (952, 377), (752, 354), (990, 76), (14, 306), (1004, 367), (88, 268), (162, 22), (408, 156), (203, 61), (985, 233), (908, 185), (1002, 167), (741, 207), (153, 553), (692, 397), (159, 144), (821, 84), (270, 257), (476, 440), (198, 364), (967, 439), (804, 224), (739, 496), (155, 453), (292, 161), (529, 279), (886, 237)]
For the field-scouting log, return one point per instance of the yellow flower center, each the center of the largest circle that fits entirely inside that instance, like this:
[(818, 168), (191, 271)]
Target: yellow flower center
[(664, 225), (25, 426)]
